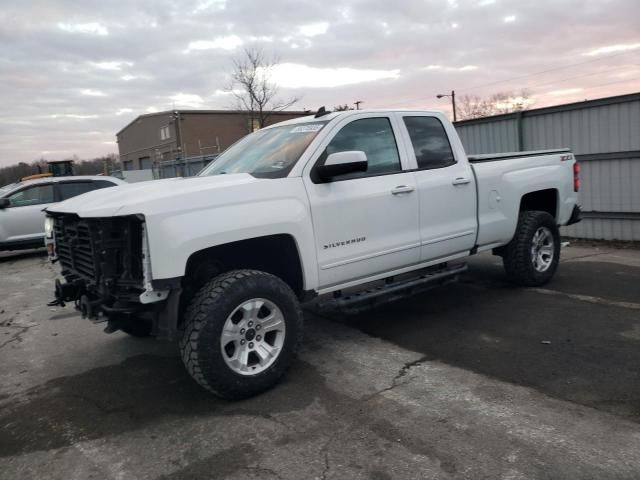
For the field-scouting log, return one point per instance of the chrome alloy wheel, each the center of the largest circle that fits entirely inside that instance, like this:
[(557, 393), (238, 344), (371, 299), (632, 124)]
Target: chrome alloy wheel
[(252, 336), (542, 250)]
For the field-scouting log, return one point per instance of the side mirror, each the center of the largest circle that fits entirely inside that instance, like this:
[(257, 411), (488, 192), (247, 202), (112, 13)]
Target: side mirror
[(340, 163), (4, 202)]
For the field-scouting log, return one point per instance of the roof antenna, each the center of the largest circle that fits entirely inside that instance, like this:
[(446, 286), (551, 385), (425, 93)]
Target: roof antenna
[(321, 112)]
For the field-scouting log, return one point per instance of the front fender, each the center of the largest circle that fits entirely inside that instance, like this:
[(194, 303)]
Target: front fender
[(174, 237)]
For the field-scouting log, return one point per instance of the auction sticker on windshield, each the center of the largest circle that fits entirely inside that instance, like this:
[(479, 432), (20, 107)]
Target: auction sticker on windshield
[(314, 127)]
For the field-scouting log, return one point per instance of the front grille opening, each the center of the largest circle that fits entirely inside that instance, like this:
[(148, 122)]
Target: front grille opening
[(100, 251)]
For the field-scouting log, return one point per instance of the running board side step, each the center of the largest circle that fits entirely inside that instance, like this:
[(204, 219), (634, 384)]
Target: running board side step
[(391, 290)]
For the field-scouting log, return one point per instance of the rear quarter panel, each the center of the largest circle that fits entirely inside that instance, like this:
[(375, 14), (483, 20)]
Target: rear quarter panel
[(503, 183)]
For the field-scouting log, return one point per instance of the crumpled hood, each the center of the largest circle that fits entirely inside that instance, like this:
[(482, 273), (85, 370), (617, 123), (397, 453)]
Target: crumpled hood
[(154, 196)]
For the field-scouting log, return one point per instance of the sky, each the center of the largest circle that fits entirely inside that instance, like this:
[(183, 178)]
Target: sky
[(73, 73)]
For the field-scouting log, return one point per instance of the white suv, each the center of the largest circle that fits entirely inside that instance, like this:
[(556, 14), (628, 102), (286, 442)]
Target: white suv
[(22, 205)]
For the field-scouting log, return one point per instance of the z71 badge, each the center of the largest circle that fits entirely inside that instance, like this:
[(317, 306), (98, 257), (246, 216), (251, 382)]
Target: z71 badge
[(344, 242)]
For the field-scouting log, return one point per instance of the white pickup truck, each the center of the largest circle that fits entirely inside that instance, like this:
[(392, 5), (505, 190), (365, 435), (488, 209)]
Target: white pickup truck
[(353, 207)]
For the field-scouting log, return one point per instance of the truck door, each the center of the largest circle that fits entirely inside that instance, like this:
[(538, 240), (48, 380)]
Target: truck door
[(365, 223), (446, 189)]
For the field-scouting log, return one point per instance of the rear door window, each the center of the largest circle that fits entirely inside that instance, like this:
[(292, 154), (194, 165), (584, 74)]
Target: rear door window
[(430, 142)]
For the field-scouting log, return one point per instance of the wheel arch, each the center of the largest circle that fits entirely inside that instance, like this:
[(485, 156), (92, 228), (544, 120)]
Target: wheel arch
[(277, 254), (544, 200)]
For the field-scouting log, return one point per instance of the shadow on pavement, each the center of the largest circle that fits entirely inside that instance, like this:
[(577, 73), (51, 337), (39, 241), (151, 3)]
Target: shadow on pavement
[(138, 392), (13, 255)]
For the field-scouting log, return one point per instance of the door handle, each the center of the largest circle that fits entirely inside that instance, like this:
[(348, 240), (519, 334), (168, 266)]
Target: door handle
[(461, 181), (400, 189)]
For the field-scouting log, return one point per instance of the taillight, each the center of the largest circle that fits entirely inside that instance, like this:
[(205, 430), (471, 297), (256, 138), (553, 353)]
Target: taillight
[(576, 177)]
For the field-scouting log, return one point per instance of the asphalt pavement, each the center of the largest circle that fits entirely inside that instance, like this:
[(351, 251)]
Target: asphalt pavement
[(474, 380)]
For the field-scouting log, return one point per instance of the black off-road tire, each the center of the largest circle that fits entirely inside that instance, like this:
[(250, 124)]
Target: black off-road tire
[(517, 257), (205, 318)]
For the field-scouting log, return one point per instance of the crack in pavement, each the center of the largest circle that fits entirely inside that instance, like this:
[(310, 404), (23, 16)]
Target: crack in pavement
[(262, 470), (564, 260), (588, 298), (404, 370), (545, 291), (17, 337), (327, 466), (357, 413), (265, 416)]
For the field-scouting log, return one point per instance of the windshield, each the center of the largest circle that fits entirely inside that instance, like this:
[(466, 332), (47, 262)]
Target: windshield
[(267, 153)]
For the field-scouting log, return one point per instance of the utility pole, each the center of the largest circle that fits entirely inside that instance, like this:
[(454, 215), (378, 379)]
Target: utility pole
[(453, 102), (357, 104)]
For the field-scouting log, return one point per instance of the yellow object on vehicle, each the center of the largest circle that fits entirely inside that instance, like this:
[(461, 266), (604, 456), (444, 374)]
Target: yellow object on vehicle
[(36, 176)]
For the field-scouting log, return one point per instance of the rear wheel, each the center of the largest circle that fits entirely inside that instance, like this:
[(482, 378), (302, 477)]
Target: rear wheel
[(241, 333), (531, 258)]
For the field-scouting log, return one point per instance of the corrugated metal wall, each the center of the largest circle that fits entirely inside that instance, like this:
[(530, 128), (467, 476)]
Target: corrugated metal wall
[(499, 136), (605, 136)]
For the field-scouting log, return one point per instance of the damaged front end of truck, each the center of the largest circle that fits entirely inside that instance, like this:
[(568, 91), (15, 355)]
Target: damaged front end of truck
[(106, 270)]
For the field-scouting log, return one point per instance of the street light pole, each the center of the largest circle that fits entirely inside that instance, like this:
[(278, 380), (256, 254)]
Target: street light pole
[(453, 102), (357, 104)]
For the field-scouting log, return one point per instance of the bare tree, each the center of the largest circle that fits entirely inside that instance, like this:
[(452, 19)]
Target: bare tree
[(252, 86), (473, 106), (342, 108)]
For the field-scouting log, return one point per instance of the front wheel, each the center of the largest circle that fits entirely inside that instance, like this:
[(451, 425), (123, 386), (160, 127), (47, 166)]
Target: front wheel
[(532, 256), (241, 333)]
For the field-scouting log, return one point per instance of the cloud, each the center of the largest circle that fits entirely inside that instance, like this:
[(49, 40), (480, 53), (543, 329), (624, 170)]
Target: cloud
[(204, 5), (92, 28), (187, 100), (227, 92), (466, 68), (313, 29), (90, 92), (293, 75), (68, 67), (509, 19), (613, 49), (229, 42), (111, 65), (72, 115), (565, 91)]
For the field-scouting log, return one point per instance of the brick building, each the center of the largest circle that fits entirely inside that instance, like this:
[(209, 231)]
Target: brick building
[(174, 134)]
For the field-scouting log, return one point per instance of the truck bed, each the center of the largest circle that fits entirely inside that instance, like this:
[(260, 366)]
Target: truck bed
[(491, 157)]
